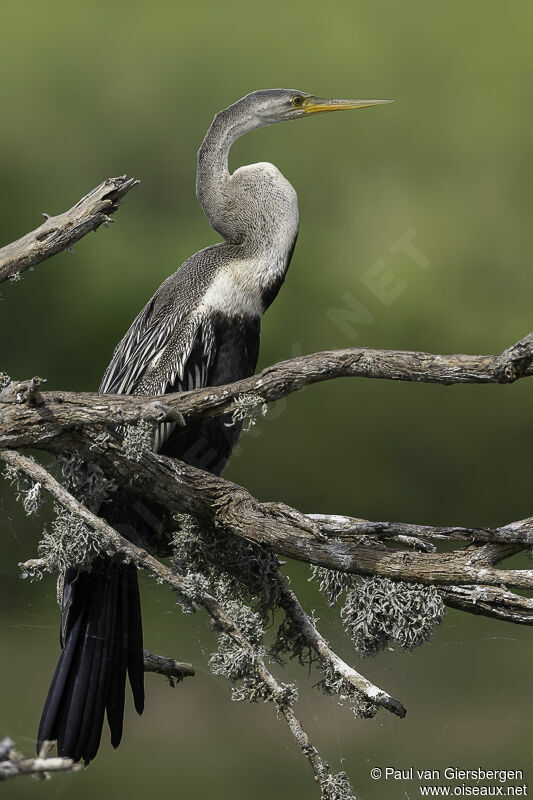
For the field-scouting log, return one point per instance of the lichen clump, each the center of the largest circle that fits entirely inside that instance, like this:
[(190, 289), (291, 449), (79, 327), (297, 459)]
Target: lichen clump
[(334, 684), (243, 578), (28, 492), (69, 543), (234, 567), (379, 612), (337, 787), (239, 664), (230, 659), (331, 582), (86, 481), (249, 409), (139, 439)]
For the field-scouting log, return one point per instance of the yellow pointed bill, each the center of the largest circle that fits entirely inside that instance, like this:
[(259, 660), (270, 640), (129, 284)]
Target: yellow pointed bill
[(314, 105)]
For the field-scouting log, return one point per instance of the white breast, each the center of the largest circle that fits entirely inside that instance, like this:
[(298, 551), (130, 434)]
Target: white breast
[(263, 208), (234, 291)]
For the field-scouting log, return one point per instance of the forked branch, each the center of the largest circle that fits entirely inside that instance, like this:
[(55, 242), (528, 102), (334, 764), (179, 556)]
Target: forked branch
[(13, 763), (114, 543), (62, 231), (337, 543)]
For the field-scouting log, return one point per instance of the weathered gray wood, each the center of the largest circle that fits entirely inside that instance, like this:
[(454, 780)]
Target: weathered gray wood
[(352, 529), (222, 620), (14, 764), (56, 421), (117, 543), (180, 487), (62, 231), (169, 667), (26, 423), (490, 601)]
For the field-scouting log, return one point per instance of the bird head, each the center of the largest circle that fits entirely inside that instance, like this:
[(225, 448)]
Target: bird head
[(279, 105)]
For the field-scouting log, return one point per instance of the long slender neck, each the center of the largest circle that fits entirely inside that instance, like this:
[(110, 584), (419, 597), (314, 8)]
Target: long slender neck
[(212, 176), (255, 207)]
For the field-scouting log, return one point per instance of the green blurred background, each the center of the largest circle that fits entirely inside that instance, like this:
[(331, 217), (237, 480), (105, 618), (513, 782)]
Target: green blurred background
[(93, 90)]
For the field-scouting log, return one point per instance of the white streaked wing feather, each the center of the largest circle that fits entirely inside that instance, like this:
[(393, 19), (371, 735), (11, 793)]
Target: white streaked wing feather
[(146, 337), (184, 373), (152, 358)]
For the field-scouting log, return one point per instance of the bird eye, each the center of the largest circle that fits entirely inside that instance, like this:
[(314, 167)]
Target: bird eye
[(297, 101)]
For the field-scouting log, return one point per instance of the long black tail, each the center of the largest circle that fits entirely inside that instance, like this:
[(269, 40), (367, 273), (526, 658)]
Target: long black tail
[(101, 637)]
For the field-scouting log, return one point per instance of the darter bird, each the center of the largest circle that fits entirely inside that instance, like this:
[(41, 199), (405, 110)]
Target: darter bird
[(201, 328)]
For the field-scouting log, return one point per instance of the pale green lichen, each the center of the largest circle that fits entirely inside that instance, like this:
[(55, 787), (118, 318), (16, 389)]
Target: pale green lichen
[(32, 500), (331, 582), (337, 787), (27, 491), (235, 568), (252, 689), (235, 572), (12, 474), (379, 612), (139, 439), (249, 409), (86, 481), (193, 586), (5, 380), (334, 684), (230, 659), (239, 664), (69, 543)]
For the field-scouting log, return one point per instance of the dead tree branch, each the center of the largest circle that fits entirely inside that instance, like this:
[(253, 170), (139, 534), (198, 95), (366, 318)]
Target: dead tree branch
[(490, 601), (62, 231), (174, 670), (179, 487), (291, 605), (353, 529), (13, 764), (23, 424), (58, 421), (115, 543), (468, 578)]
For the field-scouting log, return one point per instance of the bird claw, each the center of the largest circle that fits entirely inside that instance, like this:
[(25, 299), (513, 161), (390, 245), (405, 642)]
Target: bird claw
[(159, 412)]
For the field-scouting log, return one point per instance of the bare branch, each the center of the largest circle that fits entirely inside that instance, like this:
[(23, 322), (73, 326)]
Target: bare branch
[(180, 487), (22, 424), (169, 667), (61, 232), (291, 605), (468, 578), (353, 529), (490, 601), (13, 764)]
